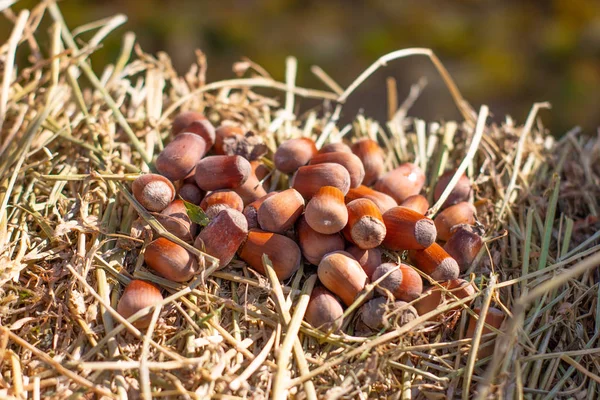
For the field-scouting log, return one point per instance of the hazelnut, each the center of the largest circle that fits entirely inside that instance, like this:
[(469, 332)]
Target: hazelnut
[(224, 132), (435, 262), (175, 220), (154, 192), (262, 172), (324, 311), (377, 313), (326, 212), (461, 213), (191, 193), (137, 296), (223, 236), (251, 190), (464, 245), (202, 128), (283, 252), (372, 158), (315, 245), (294, 153), (365, 226), (222, 172), (381, 200), (348, 160), (404, 283), (170, 260), (219, 200), (309, 179), (407, 229), (278, 213), (433, 296), (417, 202), (251, 210), (335, 148), (180, 156), (343, 275), (369, 259), (184, 119), (461, 192), (400, 183), (494, 318)]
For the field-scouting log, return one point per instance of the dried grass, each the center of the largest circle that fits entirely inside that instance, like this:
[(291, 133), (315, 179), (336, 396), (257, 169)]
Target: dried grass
[(70, 142)]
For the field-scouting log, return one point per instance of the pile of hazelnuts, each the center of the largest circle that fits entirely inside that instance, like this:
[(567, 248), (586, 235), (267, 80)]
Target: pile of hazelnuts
[(339, 209)]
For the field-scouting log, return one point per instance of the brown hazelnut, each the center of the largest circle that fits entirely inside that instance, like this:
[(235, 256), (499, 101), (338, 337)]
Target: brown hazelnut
[(154, 192), (251, 210), (223, 236), (400, 183), (365, 226), (170, 260), (335, 148), (202, 128), (219, 200), (184, 119), (494, 318), (461, 192), (461, 213), (348, 160), (372, 158), (224, 132), (326, 212), (283, 252), (433, 296), (222, 172), (464, 245), (343, 275), (137, 296), (369, 259), (175, 220), (324, 311), (417, 202), (435, 262), (309, 179), (315, 245), (407, 229), (404, 283), (191, 193), (279, 213), (382, 200), (378, 313), (294, 153), (180, 156)]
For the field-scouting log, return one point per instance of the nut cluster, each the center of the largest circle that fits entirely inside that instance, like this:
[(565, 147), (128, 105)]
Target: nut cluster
[(337, 208)]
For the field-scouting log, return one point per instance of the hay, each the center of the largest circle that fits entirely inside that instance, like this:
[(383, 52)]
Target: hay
[(70, 143)]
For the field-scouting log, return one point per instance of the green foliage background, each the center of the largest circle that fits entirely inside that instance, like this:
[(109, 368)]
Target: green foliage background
[(507, 54)]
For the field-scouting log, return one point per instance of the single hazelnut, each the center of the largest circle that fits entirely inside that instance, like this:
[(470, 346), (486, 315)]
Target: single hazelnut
[(324, 311), (461, 192), (348, 160), (154, 192), (184, 119), (433, 296), (461, 213), (137, 296), (372, 158), (294, 153), (326, 212), (407, 229), (402, 182), (175, 220), (224, 132), (378, 313), (279, 213), (417, 202), (365, 227), (309, 179), (283, 252), (204, 129), (369, 259), (170, 260), (381, 200), (335, 148), (435, 262), (315, 245), (251, 210), (180, 156), (223, 236), (464, 245), (343, 275), (222, 172), (191, 193), (219, 200)]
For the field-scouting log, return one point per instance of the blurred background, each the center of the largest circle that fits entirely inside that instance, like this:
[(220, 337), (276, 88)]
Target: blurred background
[(506, 54)]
